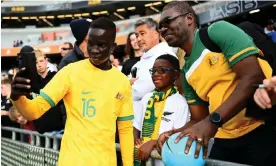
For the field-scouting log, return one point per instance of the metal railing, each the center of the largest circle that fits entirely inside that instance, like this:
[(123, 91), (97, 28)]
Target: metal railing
[(19, 153)]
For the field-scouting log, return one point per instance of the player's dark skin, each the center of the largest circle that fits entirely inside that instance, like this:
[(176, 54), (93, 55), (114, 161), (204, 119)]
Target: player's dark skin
[(99, 46), (179, 32), (162, 82)]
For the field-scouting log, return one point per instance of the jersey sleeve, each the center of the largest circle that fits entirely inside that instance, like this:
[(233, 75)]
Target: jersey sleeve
[(125, 130), (233, 41), (190, 94), (126, 112), (31, 109), (57, 88)]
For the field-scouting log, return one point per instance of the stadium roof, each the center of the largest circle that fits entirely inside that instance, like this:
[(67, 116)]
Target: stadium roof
[(63, 12)]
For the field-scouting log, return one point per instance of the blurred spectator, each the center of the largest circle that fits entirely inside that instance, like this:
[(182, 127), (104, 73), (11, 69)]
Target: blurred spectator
[(115, 62), (17, 43), (65, 48), (54, 115), (270, 30), (6, 104), (133, 52), (5, 94), (21, 43), (79, 29), (272, 35), (132, 48), (16, 116), (269, 26), (14, 43), (41, 64)]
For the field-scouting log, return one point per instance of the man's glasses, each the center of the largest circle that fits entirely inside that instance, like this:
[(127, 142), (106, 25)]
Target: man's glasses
[(167, 21), (161, 70), (64, 49)]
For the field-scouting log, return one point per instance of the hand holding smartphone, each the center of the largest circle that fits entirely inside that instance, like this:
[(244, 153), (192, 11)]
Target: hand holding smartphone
[(28, 61)]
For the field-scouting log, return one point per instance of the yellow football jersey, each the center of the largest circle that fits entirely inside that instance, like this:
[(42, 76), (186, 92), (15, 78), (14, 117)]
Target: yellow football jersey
[(209, 77), (94, 99)]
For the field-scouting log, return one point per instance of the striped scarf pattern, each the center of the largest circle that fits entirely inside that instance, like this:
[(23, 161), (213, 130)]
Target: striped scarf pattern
[(150, 120)]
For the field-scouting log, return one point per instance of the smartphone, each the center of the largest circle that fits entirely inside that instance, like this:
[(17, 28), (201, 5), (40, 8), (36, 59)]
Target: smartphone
[(28, 61), (133, 72)]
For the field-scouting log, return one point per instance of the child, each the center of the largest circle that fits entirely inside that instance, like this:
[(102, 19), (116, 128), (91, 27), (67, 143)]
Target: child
[(163, 109), (16, 116)]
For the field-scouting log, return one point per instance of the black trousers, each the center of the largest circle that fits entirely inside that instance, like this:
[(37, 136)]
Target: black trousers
[(256, 148)]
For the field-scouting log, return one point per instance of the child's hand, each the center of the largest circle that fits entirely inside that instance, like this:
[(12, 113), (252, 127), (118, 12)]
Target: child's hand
[(144, 151), (138, 141)]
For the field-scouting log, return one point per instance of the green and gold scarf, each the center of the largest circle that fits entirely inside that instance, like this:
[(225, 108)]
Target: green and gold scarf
[(150, 121)]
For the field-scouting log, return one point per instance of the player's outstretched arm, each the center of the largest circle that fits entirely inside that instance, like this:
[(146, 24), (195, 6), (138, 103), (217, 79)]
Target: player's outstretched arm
[(50, 95), (20, 88), (32, 109)]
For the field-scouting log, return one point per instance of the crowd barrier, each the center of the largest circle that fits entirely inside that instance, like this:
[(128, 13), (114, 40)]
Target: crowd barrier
[(16, 152)]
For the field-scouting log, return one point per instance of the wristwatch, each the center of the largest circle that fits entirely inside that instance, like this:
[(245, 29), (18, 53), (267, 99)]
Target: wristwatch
[(216, 119)]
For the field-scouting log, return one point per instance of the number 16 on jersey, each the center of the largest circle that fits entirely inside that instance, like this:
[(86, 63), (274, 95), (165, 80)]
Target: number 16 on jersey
[(88, 110)]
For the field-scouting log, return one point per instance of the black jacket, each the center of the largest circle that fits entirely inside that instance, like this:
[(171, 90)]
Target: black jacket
[(53, 119), (127, 66), (73, 56)]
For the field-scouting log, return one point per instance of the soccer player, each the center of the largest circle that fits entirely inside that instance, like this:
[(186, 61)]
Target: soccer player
[(217, 86), (95, 95)]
